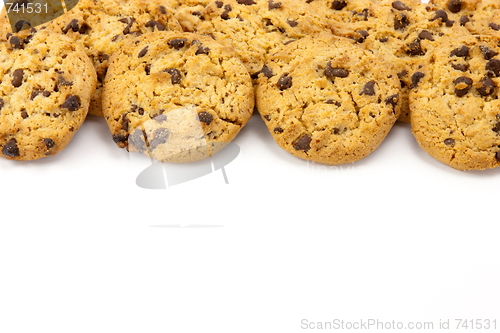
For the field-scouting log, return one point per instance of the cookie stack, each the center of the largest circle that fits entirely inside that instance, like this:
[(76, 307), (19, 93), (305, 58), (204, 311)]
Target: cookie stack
[(178, 79)]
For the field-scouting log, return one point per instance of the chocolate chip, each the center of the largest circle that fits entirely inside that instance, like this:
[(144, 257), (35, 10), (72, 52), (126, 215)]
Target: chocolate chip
[(364, 13), (2, 103), (49, 143), (363, 34), (462, 51), (415, 79), (37, 92), (496, 128), (246, 2), (463, 20), (163, 10), (120, 138), (143, 52), (61, 82), (202, 50), (219, 4), (497, 156), (102, 57), (292, 23), (72, 25), (493, 66), (21, 25), (16, 43), (17, 77), (273, 5), (177, 43), (401, 22), (175, 75), (153, 24), (160, 136), (487, 52), (440, 14), (449, 142), (494, 26), (285, 81), (160, 118), (72, 103), (462, 85), (415, 48), (225, 14), (384, 39), (331, 101), (137, 140), (129, 21), (461, 67), (303, 143), (392, 100), (10, 148), (338, 4), (368, 89), (278, 130), (205, 117), (267, 72), (425, 34), (84, 27), (331, 72), (24, 114), (400, 6), (455, 6), (486, 86)]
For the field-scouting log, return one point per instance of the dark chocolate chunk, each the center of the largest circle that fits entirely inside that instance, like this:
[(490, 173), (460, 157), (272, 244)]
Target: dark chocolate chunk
[(205, 117), (278, 130), (464, 19), (401, 21), (202, 50), (415, 48), (246, 2), (455, 6), (425, 34), (16, 42), (462, 51), (331, 101), (363, 34), (496, 128), (160, 136), (400, 6), (177, 43), (37, 92), (486, 86), (125, 122), (163, 10), (10, 148), (72, 103), (292, 23), (331, 72), (440, 14), (72, 25), (487, 52), (129, 21), (175, 75), (153, 24), (338, 4), (461, 67), (368, 89), (49, 143), (304, 143), (21, 25), (392, 100), (285, 81), (17, 77), (120, 138), (415, 79), (2, 103), (84, 27), (462, 85), (494, 26), (61, 82), (143, 52), (384, 39), (219, 4), (225, 14), (24, 114), (449, 142), (493, 66), (497, 156), (273, 5), (267, 72)]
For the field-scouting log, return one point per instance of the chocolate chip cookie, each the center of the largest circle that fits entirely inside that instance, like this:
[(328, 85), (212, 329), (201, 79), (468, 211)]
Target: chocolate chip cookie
[(176, 97), (45, 89), (327, 100), (455, 110), (255, 28), (103, 26)]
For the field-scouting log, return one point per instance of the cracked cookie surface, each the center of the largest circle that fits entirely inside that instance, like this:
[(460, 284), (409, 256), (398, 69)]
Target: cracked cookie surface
[(176, 97), (455, 106), (47, 81), (327, 100)]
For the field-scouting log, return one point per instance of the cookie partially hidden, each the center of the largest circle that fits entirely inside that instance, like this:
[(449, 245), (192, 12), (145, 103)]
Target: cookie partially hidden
[(46, 85), (176, 97), (327, 100), (455, 110)]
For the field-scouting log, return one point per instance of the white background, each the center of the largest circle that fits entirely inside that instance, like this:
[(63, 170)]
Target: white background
[(396, 236)]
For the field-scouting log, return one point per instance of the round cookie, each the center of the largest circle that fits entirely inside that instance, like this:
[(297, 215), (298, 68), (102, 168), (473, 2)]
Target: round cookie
[(45, 89), (103, 26), (455, 110), (403, 30), (327, 100), (176, 97), (255, 28)]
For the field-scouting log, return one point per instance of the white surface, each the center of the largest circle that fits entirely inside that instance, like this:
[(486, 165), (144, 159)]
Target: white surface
[(396, 237)]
